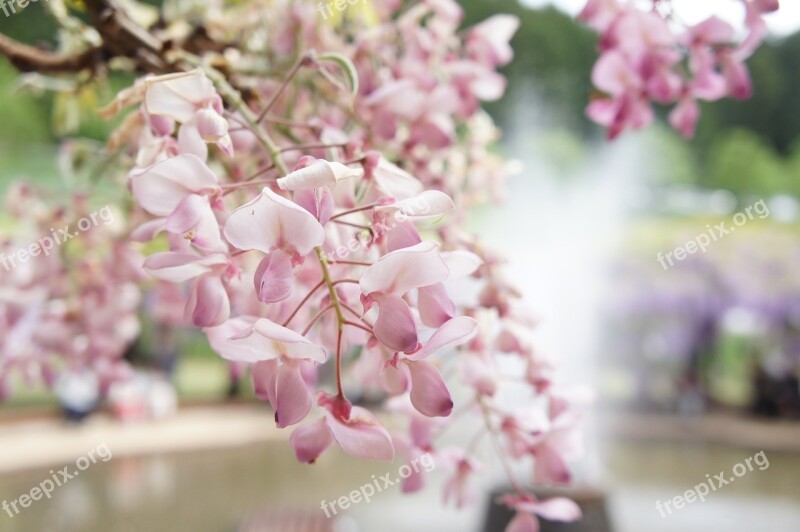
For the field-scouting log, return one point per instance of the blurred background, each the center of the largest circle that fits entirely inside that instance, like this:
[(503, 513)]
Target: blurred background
[(695, 366)]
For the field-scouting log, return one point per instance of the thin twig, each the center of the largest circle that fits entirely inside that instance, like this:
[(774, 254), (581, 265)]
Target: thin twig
[(316, 318)]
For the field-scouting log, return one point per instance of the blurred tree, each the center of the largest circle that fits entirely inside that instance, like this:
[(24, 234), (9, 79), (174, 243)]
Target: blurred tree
[(552, 49), (749, 147), (747, 165)]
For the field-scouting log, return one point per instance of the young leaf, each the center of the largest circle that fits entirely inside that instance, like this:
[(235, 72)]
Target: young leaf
[(347, 67)]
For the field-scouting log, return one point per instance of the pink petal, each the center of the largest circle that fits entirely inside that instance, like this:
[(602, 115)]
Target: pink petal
[(436, 131), (713, 30), (429, 204), (273, 278), (455, 332), (708, 84), (600, 13), (684, 117), (310, 440), (523, 522), (265, 374), (423, 430), (290, 343), (394, 181), (177, 95), (395, 326), (270, 221), (148, 230), (664, 86), (738, 79), (435, 306), (395, 380), (405, 269), (401, 236), (414, 482), (208, 303), (429, 393), (191, 142), (187, 214), (207, 235), (613, 74), (218, 336), (488, 86), (266, 340), (225, 143), (320, 174), (361, 435), (318, 202), (211, 125), (555, 509), (603, 111), (160, 188), (178, 267), (766, 6), (461, 263), (550, 467), (495, 33), (293, 400)]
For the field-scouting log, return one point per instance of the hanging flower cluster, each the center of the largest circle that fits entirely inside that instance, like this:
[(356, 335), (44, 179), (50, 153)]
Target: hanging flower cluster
[(311, 206), (323, 232), (647, 56), (69, 291), (420, 85)]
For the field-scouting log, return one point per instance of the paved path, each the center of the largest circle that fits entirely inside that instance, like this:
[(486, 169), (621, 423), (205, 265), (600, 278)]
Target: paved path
[(42, 442)]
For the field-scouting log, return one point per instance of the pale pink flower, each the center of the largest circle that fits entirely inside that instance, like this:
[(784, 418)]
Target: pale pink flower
[(385, 282), (190, 99), (353, 428), (488, 41), (528, 508), (319, 174), (269, 222), (160, 188)]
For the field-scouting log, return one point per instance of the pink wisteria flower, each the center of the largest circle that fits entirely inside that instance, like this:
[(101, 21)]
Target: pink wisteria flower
[(529, 509), (191, 100), (354, 429), (283, 230), (386, 282), (642, 57)]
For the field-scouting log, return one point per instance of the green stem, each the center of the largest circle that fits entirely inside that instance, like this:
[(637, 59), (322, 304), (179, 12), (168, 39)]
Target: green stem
[(340, 319), (235, 100)]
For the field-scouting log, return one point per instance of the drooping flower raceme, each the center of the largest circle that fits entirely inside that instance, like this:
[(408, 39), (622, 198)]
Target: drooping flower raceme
[(316, 219)]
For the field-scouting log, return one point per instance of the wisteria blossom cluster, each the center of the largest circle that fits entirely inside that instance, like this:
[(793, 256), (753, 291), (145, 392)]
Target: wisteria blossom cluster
[(421, 82), (648, 57), (303, 183), (72, 306), (322, 232)]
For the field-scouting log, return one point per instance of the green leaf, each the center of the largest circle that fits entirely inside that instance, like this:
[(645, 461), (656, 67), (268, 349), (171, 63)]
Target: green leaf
[(347, 67)]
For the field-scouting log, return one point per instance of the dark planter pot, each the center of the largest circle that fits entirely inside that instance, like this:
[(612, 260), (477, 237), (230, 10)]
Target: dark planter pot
[(592, 503)]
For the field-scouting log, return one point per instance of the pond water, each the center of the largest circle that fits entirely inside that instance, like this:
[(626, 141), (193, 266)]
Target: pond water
[(225, 490)]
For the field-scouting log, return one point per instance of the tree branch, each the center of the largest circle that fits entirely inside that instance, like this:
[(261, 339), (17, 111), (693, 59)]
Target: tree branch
[(31, 59), (125, 38)]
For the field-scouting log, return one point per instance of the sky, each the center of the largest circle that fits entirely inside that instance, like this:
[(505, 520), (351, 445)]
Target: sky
[(783, 22)]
